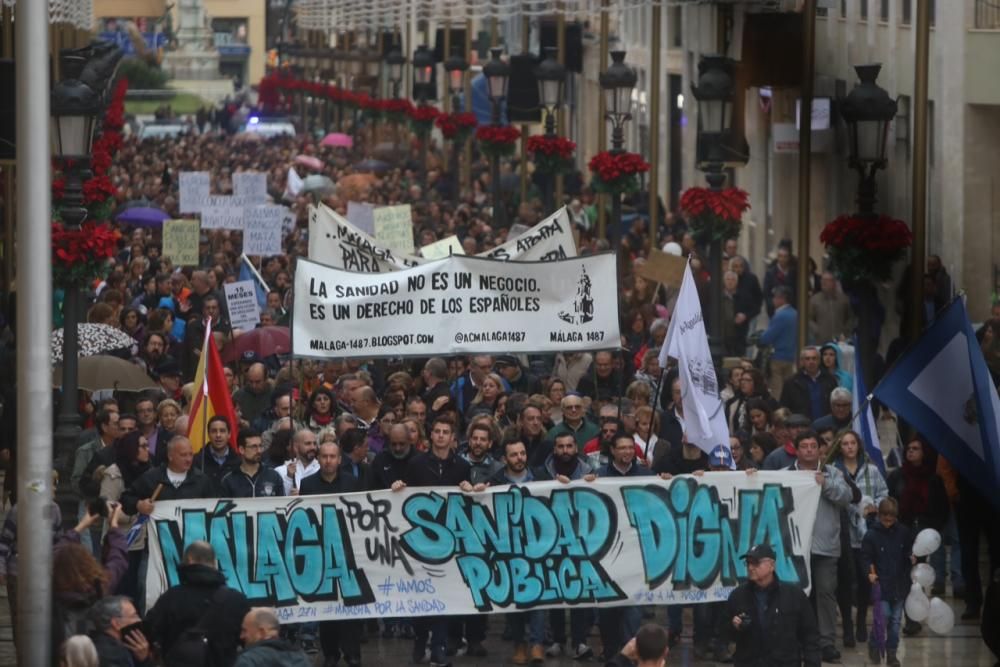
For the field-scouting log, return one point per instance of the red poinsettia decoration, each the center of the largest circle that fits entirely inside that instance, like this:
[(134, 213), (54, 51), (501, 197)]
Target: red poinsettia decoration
[(553, 155), (422, 118), (863, 248), (497, 140), (81, 255), (616, 173), (456, 126), (714, 214)]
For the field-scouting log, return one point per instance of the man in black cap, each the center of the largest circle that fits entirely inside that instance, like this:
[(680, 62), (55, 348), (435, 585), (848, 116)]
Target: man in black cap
[(772, 621), (519, 379), (168, 374)]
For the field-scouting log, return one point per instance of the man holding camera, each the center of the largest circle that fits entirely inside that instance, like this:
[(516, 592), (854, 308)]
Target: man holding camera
[(772, 621)]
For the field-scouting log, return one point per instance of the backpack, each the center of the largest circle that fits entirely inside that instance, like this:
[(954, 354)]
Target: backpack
[(192, 647)]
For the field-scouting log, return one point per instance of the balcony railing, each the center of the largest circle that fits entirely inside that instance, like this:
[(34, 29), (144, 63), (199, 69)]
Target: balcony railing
[(987, 15)]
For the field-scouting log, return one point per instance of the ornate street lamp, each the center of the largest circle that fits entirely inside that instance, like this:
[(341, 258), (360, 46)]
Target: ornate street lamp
[(868, 110), (456, 67), (396, 62), (551, 75), (714, 93), (423, 71), (75, 108), (497, 74), (617, 83)]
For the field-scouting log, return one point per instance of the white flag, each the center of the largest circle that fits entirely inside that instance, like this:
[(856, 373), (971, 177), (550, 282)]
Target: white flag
[(686, 341), (294, 184)]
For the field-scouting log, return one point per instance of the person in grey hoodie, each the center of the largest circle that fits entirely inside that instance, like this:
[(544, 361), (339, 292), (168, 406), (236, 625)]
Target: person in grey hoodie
[(835, 496), (263, 647)]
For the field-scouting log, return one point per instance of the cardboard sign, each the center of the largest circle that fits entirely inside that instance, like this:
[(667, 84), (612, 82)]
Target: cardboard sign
[(362, 216), (262, 230), (180, 241), (195, 187), (241, 299), (222, 213), (394, 227), (444, 248), (662, 267), (636, 540), (252, 185)]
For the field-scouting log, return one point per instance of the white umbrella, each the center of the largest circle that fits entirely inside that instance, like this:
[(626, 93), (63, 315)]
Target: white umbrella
[(93, 339)]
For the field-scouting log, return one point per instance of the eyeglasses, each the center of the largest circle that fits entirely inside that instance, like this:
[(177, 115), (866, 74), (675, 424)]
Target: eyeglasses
[(252, 447), (572, 406)]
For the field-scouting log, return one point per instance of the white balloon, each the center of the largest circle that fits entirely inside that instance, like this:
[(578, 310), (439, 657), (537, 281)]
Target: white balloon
[(673, 248), (940, 617), (923, 574), (927, 542), (917, 605)]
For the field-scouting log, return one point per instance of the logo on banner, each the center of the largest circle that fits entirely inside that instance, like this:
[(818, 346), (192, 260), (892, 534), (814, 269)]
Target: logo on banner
[(583, 304)]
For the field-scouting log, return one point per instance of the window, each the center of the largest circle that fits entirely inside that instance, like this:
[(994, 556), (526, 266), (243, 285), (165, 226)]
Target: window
[(933, 11), (902, 121), (843, 9), (883, 11), (822, 12), (907, 13), (677, 26), (863, 10)]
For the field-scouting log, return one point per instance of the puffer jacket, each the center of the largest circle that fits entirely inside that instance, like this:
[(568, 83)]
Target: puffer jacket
[(868, 478)]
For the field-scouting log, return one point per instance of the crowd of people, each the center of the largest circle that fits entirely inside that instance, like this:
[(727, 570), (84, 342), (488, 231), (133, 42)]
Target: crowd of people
[(308, 427)]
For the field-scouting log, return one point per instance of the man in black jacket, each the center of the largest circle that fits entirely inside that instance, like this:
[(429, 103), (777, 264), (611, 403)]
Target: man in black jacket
[(263, 647), (251, 479), (202, 603), (440, 466), (217, 459), (773, 622), (808, 391), (335, 637), (391, 463), (175, 480)]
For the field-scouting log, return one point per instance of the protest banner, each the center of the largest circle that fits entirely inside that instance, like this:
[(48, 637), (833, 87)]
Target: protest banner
[(446, 247), (262, 230), (438, 551), (180, 241), (252, 185), (195, 187), (394, 227), (222, 213), (241, 300), (457, 305), (334, 241), (362, 216)]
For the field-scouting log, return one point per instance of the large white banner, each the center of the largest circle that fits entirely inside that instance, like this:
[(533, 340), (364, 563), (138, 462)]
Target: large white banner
[(458, 305), (333, 240), (704, 417), (433, 551)]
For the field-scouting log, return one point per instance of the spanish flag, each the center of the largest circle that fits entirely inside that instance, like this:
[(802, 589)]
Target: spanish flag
[(211, 396)]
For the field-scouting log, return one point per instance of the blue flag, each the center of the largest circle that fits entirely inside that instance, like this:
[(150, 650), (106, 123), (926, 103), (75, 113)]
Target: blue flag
[(864, 418), (943, 388), (248, 272)]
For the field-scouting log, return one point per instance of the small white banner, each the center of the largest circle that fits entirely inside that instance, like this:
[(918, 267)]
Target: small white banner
[(252, 185), (195, 187), (262, 230), (458, 305)]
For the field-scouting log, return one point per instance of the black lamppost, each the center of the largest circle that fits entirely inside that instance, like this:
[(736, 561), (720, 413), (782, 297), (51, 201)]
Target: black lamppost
[(423, 72), (497, 74), (617, 83), (868, 110), (75, 107), (456, 66), (551, 75), (714, 93), (396, 62)]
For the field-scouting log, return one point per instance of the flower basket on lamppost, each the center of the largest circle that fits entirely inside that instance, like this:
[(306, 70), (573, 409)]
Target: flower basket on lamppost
[(616, 173), (497, 141), (714, 215), (553, 155)]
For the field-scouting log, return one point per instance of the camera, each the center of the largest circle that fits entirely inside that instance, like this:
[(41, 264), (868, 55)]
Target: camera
[(745, 621), (98, 506)]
